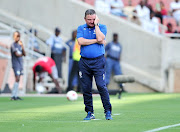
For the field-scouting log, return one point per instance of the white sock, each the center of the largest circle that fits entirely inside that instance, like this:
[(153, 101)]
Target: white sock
[(15, 89)]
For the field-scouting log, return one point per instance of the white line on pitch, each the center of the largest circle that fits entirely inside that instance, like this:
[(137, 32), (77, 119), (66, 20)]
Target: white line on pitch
[(116, 114), (163, 128), (83, 121), (96, 119)]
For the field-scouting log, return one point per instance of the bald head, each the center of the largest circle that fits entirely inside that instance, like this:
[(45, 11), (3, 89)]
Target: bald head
[(16, 36)]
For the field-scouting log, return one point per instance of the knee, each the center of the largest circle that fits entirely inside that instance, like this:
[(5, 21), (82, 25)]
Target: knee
[(17, 78), (101, 87)]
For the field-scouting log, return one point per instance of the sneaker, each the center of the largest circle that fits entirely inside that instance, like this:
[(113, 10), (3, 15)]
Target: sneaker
[(90, 116), (18, 98), (53, 91), (108, 115), (13, 98)]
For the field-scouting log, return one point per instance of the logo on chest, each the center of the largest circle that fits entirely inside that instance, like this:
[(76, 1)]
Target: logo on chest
[(94, 32), (115, 48)]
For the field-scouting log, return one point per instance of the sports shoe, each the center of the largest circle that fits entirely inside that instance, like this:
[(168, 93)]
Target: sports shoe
[(90, 116), (18, 98), (13, 98), (108, 115)]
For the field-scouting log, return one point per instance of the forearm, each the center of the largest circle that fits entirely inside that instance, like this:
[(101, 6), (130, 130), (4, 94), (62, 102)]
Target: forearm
[(23, 52), (99, 35), (34, 81), (83, 41)]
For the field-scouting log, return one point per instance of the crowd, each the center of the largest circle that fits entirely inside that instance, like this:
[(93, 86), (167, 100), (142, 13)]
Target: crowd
[(143, 14)]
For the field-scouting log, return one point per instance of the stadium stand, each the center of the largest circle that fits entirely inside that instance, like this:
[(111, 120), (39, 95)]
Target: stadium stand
[(8, 25), (153, 3)]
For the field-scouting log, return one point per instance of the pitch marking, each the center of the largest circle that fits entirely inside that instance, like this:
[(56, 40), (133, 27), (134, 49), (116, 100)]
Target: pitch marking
[(83, 121), (163, 128), (116, 114)]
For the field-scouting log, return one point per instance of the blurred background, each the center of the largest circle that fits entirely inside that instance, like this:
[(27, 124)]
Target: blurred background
[(149, 32)]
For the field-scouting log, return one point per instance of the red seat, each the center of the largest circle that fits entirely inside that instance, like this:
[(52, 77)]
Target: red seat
[(169, 20), (91, 2)]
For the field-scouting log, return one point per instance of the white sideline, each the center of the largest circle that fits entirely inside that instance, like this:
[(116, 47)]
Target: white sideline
[(163, 128)]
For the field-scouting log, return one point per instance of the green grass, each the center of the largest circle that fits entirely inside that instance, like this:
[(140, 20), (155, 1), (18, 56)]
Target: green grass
[(133, 113)]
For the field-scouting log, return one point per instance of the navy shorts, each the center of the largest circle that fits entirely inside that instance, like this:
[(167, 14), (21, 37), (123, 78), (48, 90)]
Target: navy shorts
[(18, 71)]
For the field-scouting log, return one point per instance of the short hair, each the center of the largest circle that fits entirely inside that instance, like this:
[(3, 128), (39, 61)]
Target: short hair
[(115, 34), (16, 32), (38, 68), (57, 30), (89, 12)]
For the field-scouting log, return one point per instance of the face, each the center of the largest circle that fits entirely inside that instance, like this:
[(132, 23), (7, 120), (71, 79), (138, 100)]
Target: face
[(142, 3), (115, 38), (90, 20), (170, 28), (74, 35), (151, 15), (57, 33), (16, 36)]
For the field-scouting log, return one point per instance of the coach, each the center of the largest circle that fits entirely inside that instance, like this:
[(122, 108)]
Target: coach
[(91, 37)]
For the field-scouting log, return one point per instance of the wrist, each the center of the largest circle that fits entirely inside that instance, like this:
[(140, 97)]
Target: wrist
[(96, 24)]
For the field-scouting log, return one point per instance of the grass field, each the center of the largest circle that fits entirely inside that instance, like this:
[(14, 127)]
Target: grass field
[(132, 113)]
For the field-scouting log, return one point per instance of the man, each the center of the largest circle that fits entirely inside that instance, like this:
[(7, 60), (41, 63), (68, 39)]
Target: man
[(57, 50), (75, 68), (17, 53), (113, 51), (46, 64), (103, 6), (91, 38), (117, 8), (143, 12), (134, 19), (71, 44), (175, 9), (152, 25)]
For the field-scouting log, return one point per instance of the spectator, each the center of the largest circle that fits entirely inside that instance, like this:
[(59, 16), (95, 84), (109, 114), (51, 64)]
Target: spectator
[(57, 50), (117, 8), (42, 65), (175, 9), (113, 50), (135, 19), (17, 53), (163, 9), (71, 44), (169, 28), (142, 12), (103, 6), (148, 5), (152, 25), (160, 11)]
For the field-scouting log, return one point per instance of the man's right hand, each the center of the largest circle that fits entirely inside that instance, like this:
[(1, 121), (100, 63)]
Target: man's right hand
[(20, 43), (96, 20), (102, 42)]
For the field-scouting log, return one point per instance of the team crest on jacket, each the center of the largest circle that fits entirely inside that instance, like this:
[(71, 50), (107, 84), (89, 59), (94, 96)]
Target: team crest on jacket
[(94, 32), (80, 74)]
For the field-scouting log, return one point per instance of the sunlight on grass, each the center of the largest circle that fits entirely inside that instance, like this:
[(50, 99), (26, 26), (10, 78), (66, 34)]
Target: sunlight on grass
[(78, 106)]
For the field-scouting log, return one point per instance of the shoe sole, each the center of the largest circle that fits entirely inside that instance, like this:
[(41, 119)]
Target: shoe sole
[(108, 119)]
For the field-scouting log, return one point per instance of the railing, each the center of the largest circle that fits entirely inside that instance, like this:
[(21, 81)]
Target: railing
[(10, 23)]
